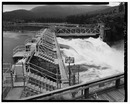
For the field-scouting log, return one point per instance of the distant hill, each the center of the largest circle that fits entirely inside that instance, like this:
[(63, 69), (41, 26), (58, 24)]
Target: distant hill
[(107, 10), (50, 11), (55, 11), (18, 14)]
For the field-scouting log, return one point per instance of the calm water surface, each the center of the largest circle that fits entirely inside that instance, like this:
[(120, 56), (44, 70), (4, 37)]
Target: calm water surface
[(11, 40)]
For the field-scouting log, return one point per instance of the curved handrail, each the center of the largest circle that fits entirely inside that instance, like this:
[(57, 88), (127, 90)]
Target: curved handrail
[(28, 40), (19, 48)]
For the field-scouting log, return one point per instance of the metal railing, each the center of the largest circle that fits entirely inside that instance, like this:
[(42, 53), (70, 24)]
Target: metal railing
[(50, 54), (6, 66), (47, 46), (83, 87), (35, 68), (7, 84), (30, 56), (28, 40), (42, 84), (19, 48)]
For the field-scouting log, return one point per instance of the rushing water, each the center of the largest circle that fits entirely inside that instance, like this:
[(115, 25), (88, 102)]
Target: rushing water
[(11, 40), (95, 56), (103, 59)]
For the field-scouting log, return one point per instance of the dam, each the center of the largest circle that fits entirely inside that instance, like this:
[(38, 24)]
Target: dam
[(40, 73)]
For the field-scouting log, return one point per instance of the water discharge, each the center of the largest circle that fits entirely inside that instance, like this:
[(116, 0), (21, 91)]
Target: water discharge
[(106, 60)]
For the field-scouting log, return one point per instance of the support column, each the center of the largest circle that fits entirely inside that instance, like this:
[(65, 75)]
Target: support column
[(102, 31), (117, 83), (86, 93), (11, 74), (69, 75)]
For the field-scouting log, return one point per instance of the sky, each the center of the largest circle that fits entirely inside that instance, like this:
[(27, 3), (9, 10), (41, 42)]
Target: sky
[(28, 7)]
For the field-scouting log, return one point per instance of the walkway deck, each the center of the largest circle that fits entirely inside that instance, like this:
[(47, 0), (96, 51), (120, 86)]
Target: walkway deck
[(14, 94), (111, 95)]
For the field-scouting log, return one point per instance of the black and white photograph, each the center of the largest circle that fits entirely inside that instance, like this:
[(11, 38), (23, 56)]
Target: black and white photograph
[(64, 51)]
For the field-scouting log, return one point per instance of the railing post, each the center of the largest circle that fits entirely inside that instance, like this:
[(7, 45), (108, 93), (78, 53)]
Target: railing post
[(117, 83), (101, 30), (78, 73), (86, 93), (23, 75), (69, 74), (11, 74), (82, 93), (57, 80)]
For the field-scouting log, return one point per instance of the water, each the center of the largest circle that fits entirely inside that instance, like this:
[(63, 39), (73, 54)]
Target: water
[(11, 40), (96, 57), (103, 59)]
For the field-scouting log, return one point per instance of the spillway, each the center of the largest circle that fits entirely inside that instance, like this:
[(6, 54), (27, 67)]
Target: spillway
[(95, 56)]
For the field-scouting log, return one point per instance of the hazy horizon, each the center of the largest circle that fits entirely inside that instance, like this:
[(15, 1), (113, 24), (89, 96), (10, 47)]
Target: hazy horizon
[(7, 8)]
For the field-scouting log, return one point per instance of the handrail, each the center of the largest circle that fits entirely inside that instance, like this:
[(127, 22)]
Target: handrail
[(49, 51), (70, 89), (46, 55), (39, 80), (6, 66), (27, 40), (29, 58), (19, 48), (42, 68), (48, 34), (48, 40), (48, 47), (22, 49), (43, 73)]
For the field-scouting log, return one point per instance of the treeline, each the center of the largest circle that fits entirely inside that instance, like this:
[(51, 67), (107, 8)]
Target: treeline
[(45, 20), (21, 28), (113, 18)]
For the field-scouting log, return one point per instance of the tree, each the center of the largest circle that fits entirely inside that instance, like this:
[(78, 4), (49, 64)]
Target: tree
[(121, 7)]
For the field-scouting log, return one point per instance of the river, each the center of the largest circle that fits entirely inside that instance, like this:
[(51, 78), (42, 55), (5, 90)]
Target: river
[(11, 40)]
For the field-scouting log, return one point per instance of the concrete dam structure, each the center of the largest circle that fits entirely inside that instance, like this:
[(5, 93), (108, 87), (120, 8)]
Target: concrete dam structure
[(39, 72)]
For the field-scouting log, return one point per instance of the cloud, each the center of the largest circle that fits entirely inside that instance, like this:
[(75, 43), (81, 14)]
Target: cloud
[(114, 3)]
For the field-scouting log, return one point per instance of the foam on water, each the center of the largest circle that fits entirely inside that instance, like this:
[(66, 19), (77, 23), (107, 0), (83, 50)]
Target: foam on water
[(94, 52)]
